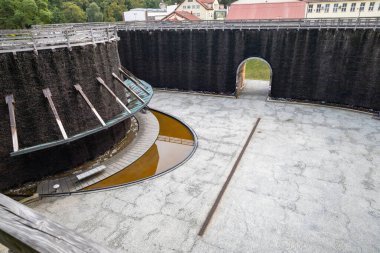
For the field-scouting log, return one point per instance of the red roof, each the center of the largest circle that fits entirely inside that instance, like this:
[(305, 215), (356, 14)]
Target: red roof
[(183, 14), (279, 10), (206, 1)]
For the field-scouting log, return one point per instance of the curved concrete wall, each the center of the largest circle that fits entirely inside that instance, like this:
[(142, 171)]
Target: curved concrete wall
[(25, 75), (334, 66)]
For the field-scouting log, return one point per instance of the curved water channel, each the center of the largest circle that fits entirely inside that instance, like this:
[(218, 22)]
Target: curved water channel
[(175, 145)]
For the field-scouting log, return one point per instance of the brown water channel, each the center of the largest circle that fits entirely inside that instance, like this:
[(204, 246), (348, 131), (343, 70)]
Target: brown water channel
[(174, 145)]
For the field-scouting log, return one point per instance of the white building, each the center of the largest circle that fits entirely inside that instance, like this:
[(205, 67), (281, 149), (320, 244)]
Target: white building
[(203, 9), (342, 9), (148, 14)]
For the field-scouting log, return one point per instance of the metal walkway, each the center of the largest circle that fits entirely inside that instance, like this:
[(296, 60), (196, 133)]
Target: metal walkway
[(146, 136)]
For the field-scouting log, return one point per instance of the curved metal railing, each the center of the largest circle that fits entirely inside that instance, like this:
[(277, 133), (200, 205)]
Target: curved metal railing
[(139, 95), (55, 37)]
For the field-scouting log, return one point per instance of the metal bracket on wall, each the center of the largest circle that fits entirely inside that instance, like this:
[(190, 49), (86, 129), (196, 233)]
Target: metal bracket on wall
[(101, 81), (126, 86), (79, 89), (133, 79), (47, 94), (9, 99)]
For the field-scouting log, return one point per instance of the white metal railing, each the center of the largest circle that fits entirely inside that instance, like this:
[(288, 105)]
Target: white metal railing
[(54, 37)]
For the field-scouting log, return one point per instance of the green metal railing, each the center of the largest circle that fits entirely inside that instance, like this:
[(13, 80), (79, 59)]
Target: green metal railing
[(134, 106)]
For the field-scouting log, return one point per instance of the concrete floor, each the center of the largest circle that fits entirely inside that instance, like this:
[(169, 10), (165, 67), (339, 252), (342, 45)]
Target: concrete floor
[(308, 182)]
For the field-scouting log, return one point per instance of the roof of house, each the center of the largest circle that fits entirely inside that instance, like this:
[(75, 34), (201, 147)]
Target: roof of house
[(263, 1), (274, 10), (183, 14), (206, 1), (207, 4), (321, 1)]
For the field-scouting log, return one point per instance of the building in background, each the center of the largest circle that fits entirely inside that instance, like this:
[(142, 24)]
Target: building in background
[(149, 14), (295, 9), (220, 14), (180, 16), (267, 9), (342, 9), (203, 9)]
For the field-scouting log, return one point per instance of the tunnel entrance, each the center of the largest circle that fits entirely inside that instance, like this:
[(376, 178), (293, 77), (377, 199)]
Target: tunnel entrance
[(254, 73)]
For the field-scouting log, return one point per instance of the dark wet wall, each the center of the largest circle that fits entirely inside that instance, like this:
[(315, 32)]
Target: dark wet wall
[(334, 66), (25, 75)]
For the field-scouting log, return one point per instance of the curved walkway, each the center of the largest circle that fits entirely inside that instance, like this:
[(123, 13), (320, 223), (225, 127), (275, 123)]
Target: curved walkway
[(146, 136)]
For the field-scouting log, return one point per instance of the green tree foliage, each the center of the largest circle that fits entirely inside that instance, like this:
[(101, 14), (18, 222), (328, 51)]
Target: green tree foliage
[(23, 13), (94, 13), (114, 10), (72, 13), (226, 2), (151, 3), (7, 12)]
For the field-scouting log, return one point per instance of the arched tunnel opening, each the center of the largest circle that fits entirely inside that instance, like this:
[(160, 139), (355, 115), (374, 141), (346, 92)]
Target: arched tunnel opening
[(254, 75)]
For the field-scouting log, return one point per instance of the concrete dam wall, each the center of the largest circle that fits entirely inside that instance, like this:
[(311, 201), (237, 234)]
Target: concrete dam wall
[(25, 75), (332, 66)]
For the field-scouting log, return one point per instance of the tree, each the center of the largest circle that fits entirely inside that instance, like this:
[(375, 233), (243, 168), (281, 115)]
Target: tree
[(26, 13), (83, 4), (134, 4), (114, 11), (226, 2), (72, 13), (7, 12), (57, 15), (94, 14), (23, 13), (151, 3), (44, 14)]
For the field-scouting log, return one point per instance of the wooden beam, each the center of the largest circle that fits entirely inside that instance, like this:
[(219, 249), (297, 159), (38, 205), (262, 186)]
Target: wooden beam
[(101, 81), (126, 86), (79, 89), (9, 99), (47, 94), (24, 230)]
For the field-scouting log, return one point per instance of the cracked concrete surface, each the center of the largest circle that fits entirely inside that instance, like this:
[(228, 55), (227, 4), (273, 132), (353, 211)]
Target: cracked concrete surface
[(309, 182)]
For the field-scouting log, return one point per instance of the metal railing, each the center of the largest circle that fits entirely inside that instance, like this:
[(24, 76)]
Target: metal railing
[(357, 23), (331, 23), (134, 105), (55, 37)]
